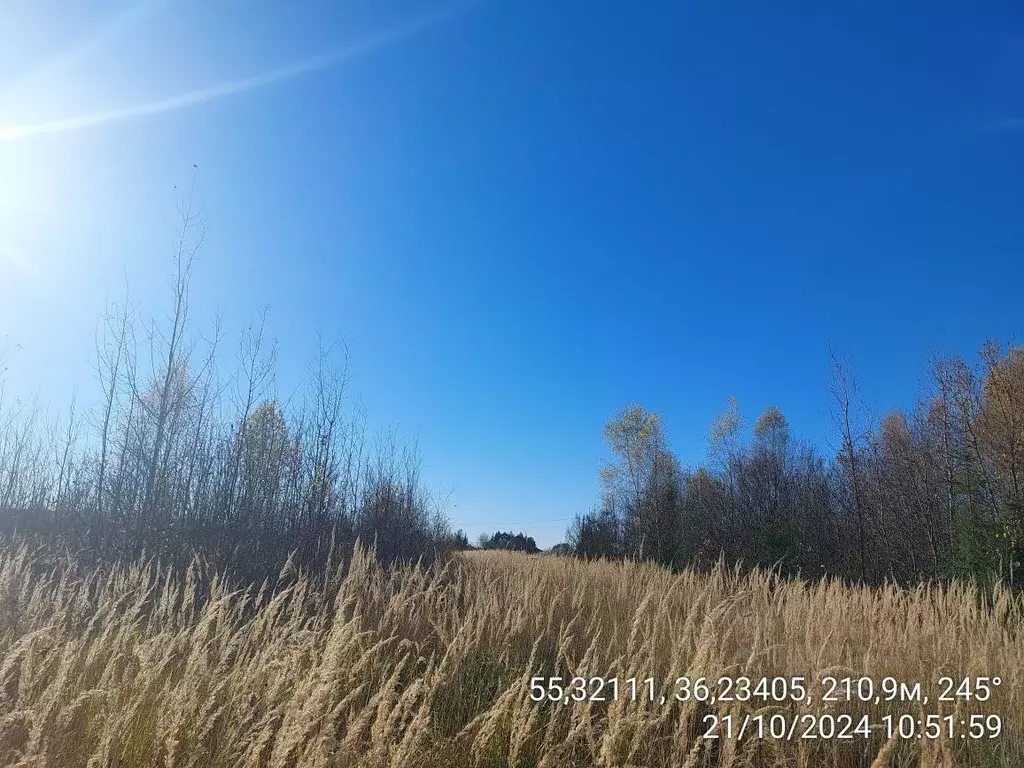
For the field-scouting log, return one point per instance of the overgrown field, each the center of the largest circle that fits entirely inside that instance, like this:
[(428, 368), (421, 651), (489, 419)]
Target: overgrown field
[(433, 667)]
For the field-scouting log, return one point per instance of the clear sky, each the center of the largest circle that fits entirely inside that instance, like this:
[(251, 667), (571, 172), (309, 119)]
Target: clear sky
[(522, 214)]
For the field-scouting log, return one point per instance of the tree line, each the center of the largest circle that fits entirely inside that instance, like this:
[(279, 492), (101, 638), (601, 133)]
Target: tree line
[(181, 457), (933, 492)]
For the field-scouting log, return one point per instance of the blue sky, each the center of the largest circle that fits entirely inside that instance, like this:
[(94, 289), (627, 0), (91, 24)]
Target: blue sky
[(521, 215)]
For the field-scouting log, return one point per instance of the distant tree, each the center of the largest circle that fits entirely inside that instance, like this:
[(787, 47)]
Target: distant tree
[(1000, 435), (515, 542), (597, 533), (766, 488), (725, 431), (643, 484)]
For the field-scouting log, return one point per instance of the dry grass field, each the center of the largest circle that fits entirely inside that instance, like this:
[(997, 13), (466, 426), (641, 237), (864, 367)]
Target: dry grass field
[(432, 668)]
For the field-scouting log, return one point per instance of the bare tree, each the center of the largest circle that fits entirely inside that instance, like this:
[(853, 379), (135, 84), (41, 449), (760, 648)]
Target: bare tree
[(843, 389), (171, 346), (113, 357), (66, 453), (256, 363)]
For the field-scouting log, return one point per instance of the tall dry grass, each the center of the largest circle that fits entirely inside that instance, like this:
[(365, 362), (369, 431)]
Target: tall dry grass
[(414, 667)]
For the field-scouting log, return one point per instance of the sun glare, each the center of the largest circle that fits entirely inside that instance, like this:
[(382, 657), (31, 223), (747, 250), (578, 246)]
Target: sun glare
[(37, 191)]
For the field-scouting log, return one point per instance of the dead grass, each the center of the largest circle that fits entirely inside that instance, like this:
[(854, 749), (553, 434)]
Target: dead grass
[(432, 668)]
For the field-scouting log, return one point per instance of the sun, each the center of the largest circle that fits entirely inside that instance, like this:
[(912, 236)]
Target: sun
[(41, 183), (11, 207), (29, 195)]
